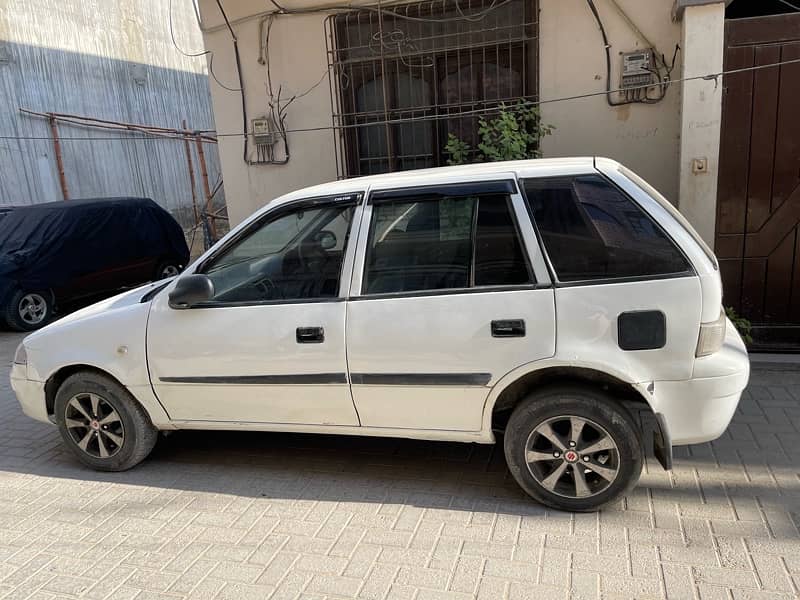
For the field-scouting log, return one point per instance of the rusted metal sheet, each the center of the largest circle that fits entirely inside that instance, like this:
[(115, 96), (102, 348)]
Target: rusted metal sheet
[(110, 60), (758, 209)]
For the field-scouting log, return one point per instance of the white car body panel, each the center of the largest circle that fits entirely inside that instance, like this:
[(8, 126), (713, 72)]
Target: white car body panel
[(249, 341), (108, 336), (587, 327), (447, 334), (568, 326)]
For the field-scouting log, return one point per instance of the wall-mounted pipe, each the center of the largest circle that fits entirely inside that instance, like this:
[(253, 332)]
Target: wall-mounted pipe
[(62, 178)]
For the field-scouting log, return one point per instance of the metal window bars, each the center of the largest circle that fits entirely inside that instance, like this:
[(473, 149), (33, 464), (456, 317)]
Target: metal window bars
[(401, 76)]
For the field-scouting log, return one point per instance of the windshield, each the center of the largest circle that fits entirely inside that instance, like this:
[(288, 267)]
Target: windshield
[(668, 206)]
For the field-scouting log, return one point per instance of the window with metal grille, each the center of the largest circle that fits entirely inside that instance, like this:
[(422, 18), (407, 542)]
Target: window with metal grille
[(409, 75)]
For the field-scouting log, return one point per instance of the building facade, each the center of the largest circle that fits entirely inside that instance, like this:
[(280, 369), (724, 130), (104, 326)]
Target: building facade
[(419, 65)]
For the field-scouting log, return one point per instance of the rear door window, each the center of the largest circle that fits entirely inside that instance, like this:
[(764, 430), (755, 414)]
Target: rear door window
[(436, 242), (592, 231)]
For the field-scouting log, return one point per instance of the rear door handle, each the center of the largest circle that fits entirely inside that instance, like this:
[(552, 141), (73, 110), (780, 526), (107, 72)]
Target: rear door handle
[(310, 335), (508, 328)]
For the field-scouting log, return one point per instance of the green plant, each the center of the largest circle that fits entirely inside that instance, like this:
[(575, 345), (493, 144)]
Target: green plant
[(743, 326), (514, 134)]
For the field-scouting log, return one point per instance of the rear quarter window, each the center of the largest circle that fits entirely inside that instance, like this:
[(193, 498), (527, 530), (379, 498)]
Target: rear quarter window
[(592, 231)]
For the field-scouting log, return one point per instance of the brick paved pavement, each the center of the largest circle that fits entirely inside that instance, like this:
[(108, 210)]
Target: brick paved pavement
[(291, 516)]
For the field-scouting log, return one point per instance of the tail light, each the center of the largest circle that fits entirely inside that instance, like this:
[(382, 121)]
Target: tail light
[(712, 336)]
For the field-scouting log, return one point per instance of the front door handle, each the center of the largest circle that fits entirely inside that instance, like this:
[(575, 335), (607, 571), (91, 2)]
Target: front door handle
[(310, 335), (508, 328)]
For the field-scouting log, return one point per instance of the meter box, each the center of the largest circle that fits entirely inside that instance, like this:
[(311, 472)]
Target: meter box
[(264, 131), (637, 69)]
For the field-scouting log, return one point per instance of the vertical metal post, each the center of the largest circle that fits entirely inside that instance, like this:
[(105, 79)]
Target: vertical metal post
[(390, 154), (62, 178), (201, 158), (188, 149)]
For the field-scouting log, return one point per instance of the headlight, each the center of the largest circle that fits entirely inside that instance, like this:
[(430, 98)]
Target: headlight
[(21, 355), (712, 336)]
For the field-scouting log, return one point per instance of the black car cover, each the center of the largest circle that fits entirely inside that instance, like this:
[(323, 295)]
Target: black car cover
[(44, 246)]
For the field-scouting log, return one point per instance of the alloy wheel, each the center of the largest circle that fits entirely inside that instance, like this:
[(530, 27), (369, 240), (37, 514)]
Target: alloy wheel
[(572, 456), (170, 271), (94, 425), (32, 308)]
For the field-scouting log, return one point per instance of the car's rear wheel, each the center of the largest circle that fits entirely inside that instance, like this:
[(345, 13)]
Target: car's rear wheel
[(102, 424), (573, 448), (28, 310)]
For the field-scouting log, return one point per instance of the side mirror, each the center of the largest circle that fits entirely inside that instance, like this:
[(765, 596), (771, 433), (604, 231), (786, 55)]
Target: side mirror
[(191, 290), (326, 239)]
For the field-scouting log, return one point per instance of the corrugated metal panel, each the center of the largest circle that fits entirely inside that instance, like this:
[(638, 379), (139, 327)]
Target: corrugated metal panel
[(111, 60)]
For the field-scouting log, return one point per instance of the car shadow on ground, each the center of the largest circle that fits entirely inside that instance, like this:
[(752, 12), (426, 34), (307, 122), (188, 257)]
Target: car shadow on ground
[(298, 468)]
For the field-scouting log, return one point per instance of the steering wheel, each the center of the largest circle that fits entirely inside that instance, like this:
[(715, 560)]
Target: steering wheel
[(310, 251), (266, 286)]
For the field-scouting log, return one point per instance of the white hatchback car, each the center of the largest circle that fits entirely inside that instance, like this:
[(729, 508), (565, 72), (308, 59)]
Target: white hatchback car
[(555, 301)]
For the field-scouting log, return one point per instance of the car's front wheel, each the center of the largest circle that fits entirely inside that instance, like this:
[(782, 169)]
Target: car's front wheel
[(573, 448), (102, 424), (28, 310)]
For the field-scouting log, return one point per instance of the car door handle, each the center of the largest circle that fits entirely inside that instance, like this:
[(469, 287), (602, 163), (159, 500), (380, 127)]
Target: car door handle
[(310, 335), (508, 328)]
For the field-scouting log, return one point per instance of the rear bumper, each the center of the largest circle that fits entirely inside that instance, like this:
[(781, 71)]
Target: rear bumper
[(30, 394), (700, 409)]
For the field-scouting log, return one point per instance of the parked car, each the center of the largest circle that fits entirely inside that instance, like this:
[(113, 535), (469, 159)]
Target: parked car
[(552, 301), (55, 254)]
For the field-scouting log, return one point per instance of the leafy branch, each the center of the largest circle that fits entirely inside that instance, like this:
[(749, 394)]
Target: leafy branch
[(514, 134)]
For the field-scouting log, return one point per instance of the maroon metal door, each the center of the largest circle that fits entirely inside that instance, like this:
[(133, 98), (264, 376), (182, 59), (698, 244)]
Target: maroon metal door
[(758, 209)]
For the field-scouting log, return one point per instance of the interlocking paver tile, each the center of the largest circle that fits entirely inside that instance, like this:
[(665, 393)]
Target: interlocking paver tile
[(214, 515)]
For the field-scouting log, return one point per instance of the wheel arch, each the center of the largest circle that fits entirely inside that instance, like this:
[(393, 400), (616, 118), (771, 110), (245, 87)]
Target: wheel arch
[(143, 394), (634, 397), (56, 380)]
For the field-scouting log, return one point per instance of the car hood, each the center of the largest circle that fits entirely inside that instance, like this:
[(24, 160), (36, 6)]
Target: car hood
[(113, 304)]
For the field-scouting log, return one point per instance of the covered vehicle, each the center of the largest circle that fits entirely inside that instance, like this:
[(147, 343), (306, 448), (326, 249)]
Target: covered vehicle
[(57, 253)]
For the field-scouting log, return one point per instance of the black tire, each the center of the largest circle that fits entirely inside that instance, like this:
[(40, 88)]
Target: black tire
[(553, 407), (28, 310), (167, 268), (133, 428)]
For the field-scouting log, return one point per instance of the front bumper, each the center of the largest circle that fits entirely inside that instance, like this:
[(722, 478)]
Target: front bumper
[(30, 394), (700, 409)]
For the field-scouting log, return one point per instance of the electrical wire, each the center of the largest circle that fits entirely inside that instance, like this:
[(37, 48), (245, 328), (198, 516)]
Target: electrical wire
[(634, 95), (219, 83), (175, 43), (238, 59), (276, 111), (474, 112), (607, 48), (196, 54), (478, 16)]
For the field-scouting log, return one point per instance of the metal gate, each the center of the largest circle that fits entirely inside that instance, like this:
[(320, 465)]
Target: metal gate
[(758, 209)]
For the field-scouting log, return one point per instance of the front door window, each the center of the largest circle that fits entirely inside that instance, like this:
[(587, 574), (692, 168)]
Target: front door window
[(297, 255)]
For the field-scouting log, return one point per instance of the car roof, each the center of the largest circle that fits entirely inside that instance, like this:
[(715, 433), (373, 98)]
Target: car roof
[(549, 166)]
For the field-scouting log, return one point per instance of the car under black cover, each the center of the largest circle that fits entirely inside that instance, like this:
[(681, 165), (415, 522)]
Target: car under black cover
[(56, 253)]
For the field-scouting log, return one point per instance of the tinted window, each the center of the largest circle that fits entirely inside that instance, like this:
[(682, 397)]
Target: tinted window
[(591, 230), (294, 256), (438, 243), (499, 255)]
